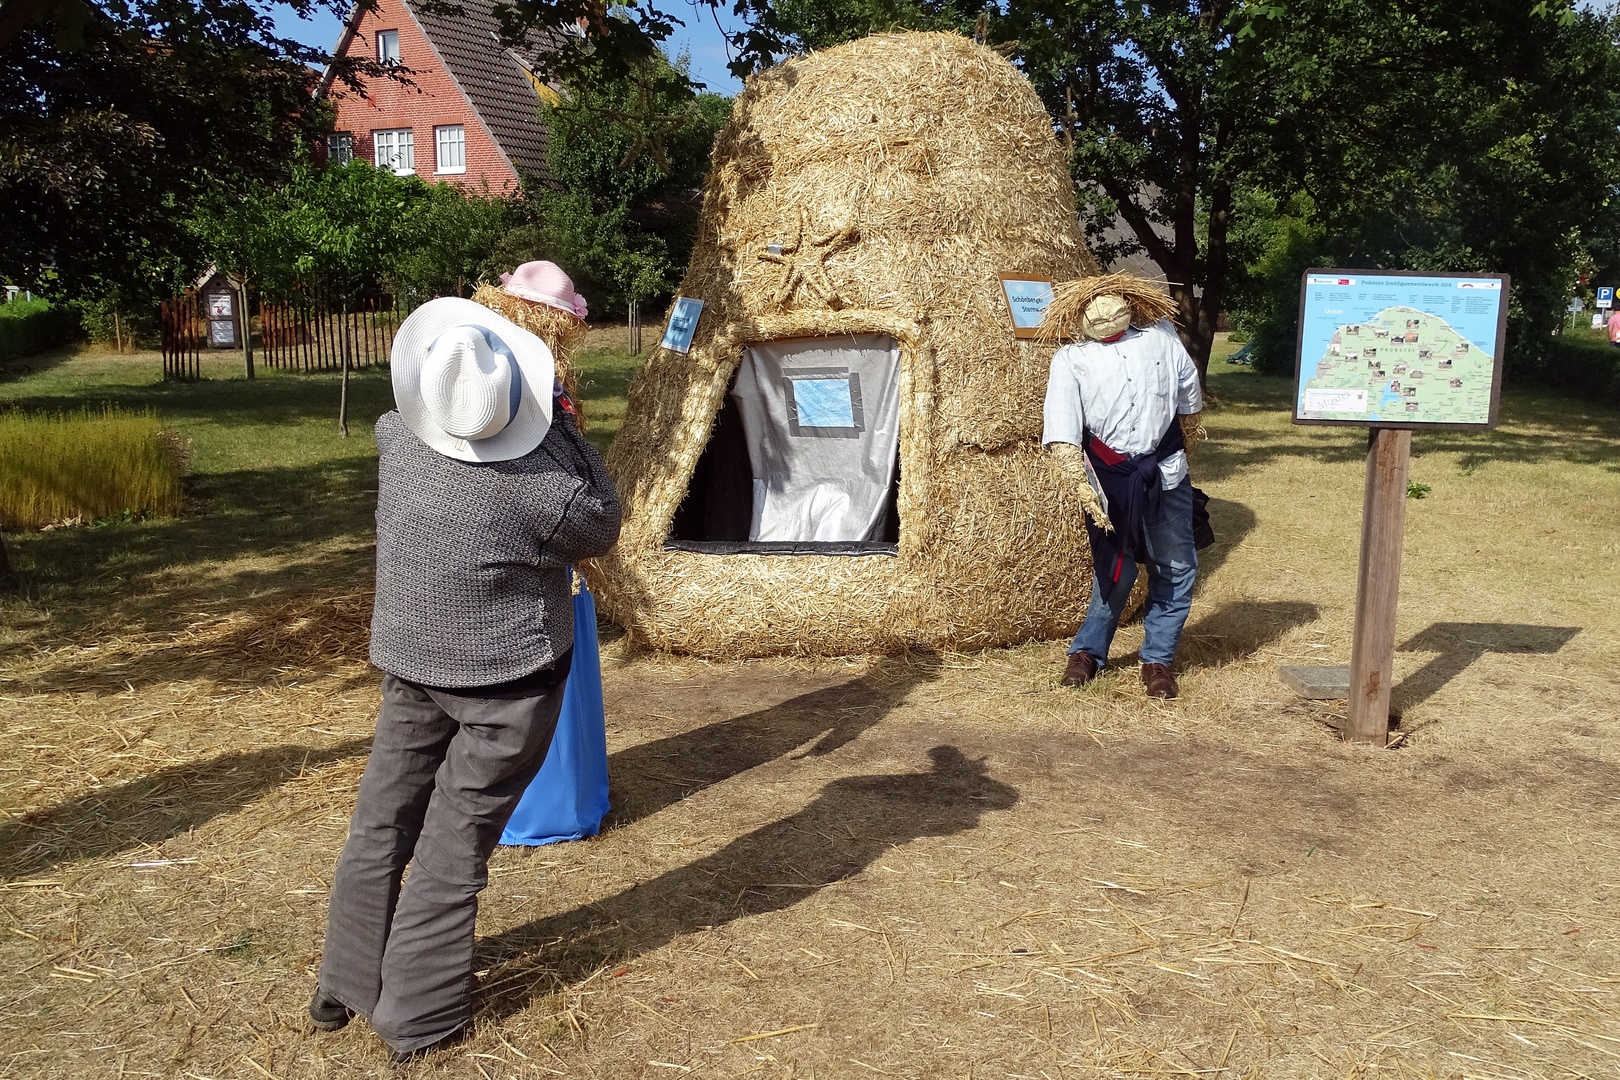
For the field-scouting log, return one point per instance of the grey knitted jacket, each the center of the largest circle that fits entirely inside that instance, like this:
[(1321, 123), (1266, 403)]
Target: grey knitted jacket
[(471, 580)]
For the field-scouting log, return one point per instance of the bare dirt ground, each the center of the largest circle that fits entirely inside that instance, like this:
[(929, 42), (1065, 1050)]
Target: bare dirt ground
[(926, 866)]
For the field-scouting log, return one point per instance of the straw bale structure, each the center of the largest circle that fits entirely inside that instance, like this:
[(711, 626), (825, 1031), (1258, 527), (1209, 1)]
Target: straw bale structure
[(895, 180)]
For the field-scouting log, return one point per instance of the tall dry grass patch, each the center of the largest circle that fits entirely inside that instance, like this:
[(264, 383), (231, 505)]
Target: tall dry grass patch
[(85, 465)]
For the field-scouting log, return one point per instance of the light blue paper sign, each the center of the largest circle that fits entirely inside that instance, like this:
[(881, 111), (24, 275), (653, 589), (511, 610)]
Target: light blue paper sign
[(1028, 300), (824, 403), (683, 320)]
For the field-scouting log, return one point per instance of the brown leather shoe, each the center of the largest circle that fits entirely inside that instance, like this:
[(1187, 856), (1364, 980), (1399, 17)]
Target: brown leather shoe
[(1081, 669), (1159, 682)]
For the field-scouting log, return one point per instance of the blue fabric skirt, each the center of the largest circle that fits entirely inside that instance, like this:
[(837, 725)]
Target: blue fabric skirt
[(569, 799)]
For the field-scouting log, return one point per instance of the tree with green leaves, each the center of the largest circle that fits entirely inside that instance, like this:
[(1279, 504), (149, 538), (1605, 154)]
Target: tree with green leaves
[(118, 118), (1413, 134), (1434, 136), (342, 228), (628, 152)]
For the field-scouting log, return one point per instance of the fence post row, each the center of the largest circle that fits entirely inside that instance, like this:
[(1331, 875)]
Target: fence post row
[(308, 329), (182, 326)]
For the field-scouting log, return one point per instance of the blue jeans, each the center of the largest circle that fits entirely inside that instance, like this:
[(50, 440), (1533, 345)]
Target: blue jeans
[(1172, 565)]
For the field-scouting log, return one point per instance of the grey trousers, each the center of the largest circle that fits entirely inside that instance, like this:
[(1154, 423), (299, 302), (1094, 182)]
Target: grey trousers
[(445, 774)]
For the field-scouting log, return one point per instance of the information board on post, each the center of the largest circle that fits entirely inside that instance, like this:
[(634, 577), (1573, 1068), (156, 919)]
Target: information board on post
[(1395, 349), (1392, 352)]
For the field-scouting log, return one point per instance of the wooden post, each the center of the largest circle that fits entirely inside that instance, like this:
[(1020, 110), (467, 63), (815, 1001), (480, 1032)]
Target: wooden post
[(246, 324), (635, 328), (342, 400), (1383, 523)]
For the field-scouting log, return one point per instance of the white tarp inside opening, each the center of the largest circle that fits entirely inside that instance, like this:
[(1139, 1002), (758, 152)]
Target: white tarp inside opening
[(822, 420)]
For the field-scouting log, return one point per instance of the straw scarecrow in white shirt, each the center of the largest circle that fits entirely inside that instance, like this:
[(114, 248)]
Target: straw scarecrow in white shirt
[(1119, 404)]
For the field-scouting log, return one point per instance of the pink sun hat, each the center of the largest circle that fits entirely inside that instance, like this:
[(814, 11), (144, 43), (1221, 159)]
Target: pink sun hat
[(544, 283)]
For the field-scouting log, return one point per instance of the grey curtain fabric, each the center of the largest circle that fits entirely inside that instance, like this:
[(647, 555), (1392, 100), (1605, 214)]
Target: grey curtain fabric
[(822, 422)]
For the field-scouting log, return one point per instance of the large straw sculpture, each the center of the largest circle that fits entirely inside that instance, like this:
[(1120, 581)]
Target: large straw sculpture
[(881, 187)]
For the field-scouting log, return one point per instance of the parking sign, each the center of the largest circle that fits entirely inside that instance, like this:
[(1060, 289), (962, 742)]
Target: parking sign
[(1605, 297)]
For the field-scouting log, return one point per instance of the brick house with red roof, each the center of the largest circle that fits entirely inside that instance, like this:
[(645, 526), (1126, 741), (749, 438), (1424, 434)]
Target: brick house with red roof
[(472, 116)]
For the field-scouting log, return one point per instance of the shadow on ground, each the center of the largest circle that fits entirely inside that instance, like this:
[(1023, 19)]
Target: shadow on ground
[(850, 823), (1460, 644), (652, 775), (1236, 631), (154, 808)]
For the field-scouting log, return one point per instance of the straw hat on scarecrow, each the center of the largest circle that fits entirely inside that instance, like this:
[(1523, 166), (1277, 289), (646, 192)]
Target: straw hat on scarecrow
[(539, 297), (1101, 308)]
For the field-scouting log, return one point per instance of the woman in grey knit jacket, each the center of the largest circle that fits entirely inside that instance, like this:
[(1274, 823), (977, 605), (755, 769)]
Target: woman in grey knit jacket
[(487, 493)]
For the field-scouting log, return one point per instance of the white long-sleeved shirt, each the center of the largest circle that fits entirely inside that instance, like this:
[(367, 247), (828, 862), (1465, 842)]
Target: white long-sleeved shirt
[(1125, 392)]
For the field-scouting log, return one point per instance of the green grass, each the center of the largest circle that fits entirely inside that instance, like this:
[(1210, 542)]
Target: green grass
[(280, 502), (84, 466)]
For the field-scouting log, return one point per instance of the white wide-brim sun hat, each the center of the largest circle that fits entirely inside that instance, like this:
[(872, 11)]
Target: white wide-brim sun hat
[(471, 384)]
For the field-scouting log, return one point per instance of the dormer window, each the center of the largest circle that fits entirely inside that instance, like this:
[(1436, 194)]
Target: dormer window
[(388, 46)]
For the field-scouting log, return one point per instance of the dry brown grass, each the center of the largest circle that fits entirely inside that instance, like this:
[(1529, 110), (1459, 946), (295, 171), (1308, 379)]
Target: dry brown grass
[(933, 865)]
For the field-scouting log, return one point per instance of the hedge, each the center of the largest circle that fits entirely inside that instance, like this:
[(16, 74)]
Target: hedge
[(31, 326)]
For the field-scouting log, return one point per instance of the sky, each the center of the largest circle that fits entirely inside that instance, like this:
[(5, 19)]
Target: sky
[(699, 36)]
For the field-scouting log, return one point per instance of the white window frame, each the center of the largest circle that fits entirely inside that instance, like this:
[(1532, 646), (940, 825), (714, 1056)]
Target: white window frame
[(395, 148), (388, 46), (340, 147), (454, 138)]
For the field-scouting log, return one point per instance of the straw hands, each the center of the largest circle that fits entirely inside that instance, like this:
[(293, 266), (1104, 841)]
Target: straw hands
[(1073, 462), (1192, 427)]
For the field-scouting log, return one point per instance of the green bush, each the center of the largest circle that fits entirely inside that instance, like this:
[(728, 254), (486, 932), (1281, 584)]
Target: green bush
[(85, 466), (31, 326), (446, 240), (1580, 361), (109, 321)]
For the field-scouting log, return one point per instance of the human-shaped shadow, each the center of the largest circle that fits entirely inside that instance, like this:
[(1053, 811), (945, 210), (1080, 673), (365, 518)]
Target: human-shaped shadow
[(1460, 644), (153, 808), (1237, 630), (652, 775), (849, 824)]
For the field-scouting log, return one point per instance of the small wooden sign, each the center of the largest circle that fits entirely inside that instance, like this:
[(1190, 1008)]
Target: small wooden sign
[(1027, 300)]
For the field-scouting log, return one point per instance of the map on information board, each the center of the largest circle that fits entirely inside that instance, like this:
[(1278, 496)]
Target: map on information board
[(1400, 349)]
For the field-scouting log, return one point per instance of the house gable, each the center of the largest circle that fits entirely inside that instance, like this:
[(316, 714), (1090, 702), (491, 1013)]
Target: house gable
[(462, 77)]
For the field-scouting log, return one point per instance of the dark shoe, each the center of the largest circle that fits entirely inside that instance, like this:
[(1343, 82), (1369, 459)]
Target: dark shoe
[(327, 1013), (1159, 682), (1081, 669)]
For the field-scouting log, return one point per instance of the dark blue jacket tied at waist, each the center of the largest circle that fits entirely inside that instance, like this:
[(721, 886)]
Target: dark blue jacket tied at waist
[(1134, 490)]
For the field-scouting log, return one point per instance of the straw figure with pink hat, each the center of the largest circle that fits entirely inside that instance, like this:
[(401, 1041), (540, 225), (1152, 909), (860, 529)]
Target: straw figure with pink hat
[(539, 296)]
